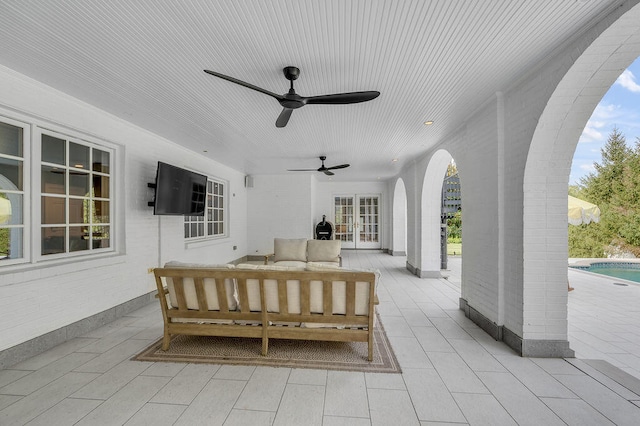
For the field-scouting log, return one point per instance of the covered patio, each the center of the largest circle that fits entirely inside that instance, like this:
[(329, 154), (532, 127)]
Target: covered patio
[(453, 372)]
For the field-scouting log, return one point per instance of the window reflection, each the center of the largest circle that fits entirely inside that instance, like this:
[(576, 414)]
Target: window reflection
[(53, 180), (78, 156), (53, 150)]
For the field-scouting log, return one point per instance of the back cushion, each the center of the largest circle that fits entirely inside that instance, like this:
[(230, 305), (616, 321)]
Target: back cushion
[(287, 249), (339, 290), (209, 287), (271, 289), (323, 250)]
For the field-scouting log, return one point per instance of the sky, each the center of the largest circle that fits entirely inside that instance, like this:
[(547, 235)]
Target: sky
[(620, 107)]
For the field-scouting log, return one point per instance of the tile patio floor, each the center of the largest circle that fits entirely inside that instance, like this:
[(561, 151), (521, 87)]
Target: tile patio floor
[(453, 373)]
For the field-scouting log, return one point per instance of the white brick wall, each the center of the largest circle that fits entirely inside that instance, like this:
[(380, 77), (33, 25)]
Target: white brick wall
[(514, 224)]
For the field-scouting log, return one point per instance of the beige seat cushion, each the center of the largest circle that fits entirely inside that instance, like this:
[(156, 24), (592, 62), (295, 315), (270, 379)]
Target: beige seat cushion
[(294, 263), (209, 287), (324, 250), (290, 249)]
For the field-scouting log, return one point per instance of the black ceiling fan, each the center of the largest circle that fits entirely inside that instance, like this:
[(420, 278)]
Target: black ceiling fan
[(326, 170), (292, 100)]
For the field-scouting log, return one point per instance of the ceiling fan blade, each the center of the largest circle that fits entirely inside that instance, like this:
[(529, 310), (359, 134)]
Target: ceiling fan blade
[(302, 170), (283, 118), (341, 166), (342, 98), (328, 173), (245, 84)]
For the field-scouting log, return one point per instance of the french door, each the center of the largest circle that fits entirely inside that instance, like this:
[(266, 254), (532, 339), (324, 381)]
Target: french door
[(357, 221)]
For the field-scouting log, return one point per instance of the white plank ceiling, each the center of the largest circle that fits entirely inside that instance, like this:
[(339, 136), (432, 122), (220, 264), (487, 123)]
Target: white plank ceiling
[(143, 60)]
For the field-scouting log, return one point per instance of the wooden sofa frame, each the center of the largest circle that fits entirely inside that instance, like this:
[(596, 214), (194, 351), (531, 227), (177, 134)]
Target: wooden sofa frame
[(243, 322)]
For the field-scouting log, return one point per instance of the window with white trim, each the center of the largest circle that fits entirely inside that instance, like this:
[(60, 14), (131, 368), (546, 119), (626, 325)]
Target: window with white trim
[(213, 222), (75, 200)]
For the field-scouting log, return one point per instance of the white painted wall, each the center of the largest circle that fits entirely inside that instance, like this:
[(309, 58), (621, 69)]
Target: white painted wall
[(36, 299), (279, 206)]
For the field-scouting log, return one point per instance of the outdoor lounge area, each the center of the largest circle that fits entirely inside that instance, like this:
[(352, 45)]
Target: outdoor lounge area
[(452, 372)]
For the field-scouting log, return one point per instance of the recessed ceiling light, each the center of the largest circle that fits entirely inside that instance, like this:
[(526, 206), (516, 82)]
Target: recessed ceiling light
[(395, 160), (428, 122)]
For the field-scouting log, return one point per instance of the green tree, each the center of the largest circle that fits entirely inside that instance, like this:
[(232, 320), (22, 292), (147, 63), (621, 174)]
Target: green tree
[(605, 182), (454, 228)]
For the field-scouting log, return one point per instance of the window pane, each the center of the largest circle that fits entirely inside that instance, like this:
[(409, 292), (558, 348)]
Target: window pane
[(78, 238), (186, 230), (10, 243), (210, 229), (78, 156), (53, 180), (79, 183), (76, 211), (10, 140), (53, 150), (100, 161), (53, 210), (101, 211), (10, 209), (53, 240), (101, 186), (100, 237), (12, 170)]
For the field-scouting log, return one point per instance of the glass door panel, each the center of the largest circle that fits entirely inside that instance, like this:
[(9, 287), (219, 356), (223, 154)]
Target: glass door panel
[(357, 219)]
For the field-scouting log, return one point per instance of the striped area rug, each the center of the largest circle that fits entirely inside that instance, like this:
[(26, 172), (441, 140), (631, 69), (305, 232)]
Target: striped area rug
[(346, 356)]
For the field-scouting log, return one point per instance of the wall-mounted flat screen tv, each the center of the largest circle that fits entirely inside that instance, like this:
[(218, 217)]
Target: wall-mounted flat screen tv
[(179, 191)]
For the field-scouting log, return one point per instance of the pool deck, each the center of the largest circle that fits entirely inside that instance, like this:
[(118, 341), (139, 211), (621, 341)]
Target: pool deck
[(604, 318)]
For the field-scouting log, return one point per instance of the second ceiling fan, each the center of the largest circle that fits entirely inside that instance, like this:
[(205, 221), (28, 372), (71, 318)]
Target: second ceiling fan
[(292, 100), (323, 169)]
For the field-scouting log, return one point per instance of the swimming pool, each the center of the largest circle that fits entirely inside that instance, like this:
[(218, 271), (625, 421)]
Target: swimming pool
[(624, 270)]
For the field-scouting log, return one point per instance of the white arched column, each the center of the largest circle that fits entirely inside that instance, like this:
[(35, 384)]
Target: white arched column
[(399, 230), (544, 289), (430, 203)]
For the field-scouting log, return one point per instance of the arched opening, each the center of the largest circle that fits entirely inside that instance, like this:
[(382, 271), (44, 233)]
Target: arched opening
[(399, 242), (431, 203), (546, 177)]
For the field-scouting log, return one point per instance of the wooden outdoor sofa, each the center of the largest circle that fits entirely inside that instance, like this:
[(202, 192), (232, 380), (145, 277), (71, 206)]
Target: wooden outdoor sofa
[(267, 302)]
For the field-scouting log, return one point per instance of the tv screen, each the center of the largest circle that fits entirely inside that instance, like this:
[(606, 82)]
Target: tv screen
[(179, 191)]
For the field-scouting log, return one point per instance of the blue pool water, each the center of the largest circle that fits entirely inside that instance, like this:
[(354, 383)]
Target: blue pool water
[(624, 270)]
